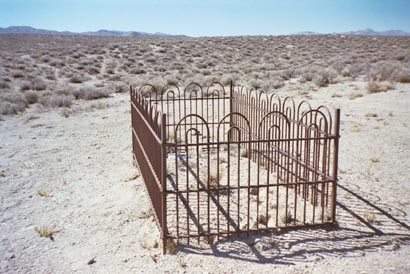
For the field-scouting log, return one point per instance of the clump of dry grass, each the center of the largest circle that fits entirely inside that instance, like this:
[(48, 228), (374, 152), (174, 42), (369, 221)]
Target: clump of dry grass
[(144, 244), (171, 247), (44, 193), (146, 214), (370, 218), (354, 95), (355, 128), (287, 218), (375, 159), (181, 262), (263, 220), (46, 231)]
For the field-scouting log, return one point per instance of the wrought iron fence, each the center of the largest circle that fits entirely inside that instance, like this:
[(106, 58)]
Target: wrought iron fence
[(227, 160)]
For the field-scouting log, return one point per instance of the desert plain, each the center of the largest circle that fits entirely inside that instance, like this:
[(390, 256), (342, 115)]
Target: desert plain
[(71, 200)]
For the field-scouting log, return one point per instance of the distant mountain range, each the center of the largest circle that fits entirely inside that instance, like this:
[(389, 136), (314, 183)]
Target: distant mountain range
[(369, 32), (31, 30)]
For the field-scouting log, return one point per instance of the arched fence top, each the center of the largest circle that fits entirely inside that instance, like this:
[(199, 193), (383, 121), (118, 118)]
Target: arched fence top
[(254, 104)]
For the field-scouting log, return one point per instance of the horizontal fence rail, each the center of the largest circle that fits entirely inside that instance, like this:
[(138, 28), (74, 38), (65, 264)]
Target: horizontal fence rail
[(228, 160)]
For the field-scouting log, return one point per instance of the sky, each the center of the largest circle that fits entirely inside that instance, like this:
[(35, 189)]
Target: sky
[(208, 17)]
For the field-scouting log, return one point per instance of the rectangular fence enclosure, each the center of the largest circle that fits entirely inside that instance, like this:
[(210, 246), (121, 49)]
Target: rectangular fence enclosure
[(223, 160)]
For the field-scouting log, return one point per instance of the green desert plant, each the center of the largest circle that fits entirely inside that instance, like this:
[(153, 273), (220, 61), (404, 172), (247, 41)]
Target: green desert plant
[(46, 231)]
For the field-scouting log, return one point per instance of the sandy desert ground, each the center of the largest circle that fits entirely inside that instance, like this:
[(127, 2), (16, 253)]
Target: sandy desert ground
[(67, 168)]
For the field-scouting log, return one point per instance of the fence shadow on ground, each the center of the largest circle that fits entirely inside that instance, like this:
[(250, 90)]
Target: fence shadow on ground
[(365, 224)]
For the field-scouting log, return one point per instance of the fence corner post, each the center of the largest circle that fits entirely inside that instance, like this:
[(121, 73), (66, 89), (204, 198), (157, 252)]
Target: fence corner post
[(164, 232), (335, 163)]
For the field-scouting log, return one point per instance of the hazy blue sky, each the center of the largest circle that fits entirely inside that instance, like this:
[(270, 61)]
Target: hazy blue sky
[(212, 17)]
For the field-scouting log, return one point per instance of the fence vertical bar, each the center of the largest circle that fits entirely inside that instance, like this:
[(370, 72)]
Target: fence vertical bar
[(132, 124), (335, 163), (164, 182)]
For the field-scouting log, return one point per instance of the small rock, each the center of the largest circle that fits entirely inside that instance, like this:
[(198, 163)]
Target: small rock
[(254, 191), (395, 247), (92, 261)]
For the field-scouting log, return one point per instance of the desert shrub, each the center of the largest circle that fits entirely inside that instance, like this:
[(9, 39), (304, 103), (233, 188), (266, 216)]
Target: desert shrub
[(345, 72), (307, 76), (60, 101), (256, 84), (89, 93), (324, 78), (151, 60), (206, 72), (4, 85), (78, 55), (383, 71), (64, 90), (160, 69), (158, 83), (50, 77), (172, 79), (57, 63), (375, 87), (138, 71), (31, 97), (116, 77), (120, 88), (66, 72), (275, 83), (402, 76), (288, 74), (25, 85), (12, 103), (357, 69), (18, 74), (226, 79), (38, 84), (77, 79), (7, 108), (45, 59), (93, 70)]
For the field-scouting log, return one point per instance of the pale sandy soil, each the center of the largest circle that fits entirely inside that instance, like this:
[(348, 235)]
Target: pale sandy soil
[(83, 166)]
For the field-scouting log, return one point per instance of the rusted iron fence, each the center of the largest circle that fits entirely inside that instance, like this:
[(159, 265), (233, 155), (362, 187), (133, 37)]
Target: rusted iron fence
[(227, 160)]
